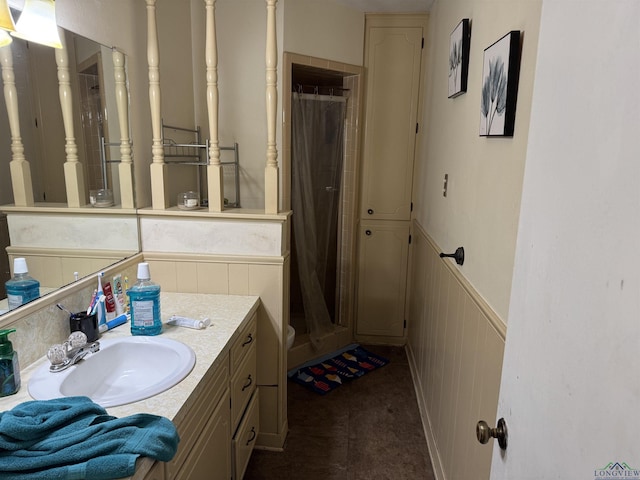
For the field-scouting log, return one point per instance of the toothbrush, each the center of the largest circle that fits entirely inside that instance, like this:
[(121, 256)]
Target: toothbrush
[(98, 304), (92, 302), (61, 307)]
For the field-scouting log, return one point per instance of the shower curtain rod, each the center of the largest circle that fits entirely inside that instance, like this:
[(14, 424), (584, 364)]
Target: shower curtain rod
[(299, 88)]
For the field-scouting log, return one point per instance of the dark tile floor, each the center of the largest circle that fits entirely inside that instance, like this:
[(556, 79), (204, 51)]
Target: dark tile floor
[(369, 429)]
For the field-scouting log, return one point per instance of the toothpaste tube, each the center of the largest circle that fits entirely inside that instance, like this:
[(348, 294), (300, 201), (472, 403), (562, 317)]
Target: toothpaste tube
[(110, 302), (118, 293), (189, 322)]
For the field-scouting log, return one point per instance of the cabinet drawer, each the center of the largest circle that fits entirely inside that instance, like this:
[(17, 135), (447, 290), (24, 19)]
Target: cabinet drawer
[(189, 428), (245, 438), (243, 384), (244, 342)]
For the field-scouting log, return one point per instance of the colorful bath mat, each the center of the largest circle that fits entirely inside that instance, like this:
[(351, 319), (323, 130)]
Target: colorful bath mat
[(325, 374)]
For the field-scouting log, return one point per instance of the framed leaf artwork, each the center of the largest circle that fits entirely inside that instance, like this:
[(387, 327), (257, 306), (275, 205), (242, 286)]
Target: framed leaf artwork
[(500, 72), (459, 43)]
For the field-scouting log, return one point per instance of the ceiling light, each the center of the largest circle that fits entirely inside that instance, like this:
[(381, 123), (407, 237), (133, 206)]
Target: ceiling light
[(6, 20), (37, 23)]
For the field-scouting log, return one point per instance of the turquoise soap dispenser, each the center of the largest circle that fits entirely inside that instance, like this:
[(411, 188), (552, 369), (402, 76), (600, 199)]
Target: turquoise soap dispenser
[(144, 298), (9, 366)]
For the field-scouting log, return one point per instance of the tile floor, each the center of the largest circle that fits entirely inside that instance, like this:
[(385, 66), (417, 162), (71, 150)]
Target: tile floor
[(369, 428)]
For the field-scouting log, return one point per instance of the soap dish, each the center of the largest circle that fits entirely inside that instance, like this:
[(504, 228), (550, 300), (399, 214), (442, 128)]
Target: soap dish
[(101, 198), (188, 201)]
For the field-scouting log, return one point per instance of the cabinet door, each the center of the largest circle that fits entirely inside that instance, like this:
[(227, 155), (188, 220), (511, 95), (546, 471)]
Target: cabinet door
[(382, 278), (210, 457), (156, 472), (392, 59)]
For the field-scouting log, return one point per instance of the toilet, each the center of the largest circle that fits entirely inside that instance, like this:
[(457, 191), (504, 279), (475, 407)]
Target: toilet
[(291, 335)]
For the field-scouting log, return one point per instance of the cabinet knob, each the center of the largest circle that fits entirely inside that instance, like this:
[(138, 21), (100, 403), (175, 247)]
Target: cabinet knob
[(367, 232), (370, 211)]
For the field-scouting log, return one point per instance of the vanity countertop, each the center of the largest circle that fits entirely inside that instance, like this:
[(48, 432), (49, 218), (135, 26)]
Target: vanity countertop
[(228, 313)]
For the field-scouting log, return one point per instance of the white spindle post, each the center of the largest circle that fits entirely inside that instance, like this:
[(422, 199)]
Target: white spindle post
[(73, 171), (19, 166), (271, 170), (215, 185), (159, 186), (125, 167)]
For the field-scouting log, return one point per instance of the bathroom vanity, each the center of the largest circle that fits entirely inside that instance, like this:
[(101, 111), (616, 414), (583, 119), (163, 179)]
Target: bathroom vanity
[(215, 408)]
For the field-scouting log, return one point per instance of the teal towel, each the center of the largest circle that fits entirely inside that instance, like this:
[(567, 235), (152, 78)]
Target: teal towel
[(73, 438)]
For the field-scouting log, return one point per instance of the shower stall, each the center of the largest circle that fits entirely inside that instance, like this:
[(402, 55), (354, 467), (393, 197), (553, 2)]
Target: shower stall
[(320, 163), (317, 154)]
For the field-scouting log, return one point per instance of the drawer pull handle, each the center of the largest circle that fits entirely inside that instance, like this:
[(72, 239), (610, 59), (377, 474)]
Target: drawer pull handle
[(248, 384), (253, 435), (249, 340)]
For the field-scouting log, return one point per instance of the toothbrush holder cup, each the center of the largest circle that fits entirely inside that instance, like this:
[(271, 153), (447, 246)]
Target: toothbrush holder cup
[(87, 324)]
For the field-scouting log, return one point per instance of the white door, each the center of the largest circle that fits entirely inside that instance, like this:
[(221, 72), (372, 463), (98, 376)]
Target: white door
[(570, 391)]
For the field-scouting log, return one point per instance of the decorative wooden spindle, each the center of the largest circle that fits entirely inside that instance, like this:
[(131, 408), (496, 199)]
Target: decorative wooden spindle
[(19, 166), (73, 171), (271, 174), (125, 168), (159, 186), (215, 185)]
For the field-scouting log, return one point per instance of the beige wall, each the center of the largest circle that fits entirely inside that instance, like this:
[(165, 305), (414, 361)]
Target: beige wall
[(481, 209), (324, 30)]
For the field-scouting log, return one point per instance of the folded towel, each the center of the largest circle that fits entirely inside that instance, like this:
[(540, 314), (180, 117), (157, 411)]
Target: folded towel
[(73, 438)]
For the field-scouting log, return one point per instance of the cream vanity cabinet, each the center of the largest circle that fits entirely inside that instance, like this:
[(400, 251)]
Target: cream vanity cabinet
[(393, 61), (218, 433)]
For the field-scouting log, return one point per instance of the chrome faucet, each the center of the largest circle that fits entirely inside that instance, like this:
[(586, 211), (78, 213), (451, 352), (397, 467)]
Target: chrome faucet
[(62, 356)]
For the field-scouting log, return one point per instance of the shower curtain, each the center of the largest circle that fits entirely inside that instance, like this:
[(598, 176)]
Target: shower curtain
[(317, 137)]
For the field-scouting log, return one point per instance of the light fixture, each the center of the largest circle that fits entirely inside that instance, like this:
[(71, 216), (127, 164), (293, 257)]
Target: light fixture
[(6, 20), (5, 38), (37, 23)]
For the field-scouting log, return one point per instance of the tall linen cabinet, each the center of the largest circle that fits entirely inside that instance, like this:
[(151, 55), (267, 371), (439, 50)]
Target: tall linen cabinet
[(394, 60)]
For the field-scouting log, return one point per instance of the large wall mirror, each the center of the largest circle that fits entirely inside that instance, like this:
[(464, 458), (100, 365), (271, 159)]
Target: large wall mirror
[(57, 241)]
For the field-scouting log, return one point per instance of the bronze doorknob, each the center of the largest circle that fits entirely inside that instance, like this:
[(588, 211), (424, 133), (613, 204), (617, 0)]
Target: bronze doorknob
[(484, 432)]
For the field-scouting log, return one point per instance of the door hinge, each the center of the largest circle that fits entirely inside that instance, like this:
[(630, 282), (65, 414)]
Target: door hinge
[(409, 239), (405, 323), (417, 127), (411, 207), (422, 42)]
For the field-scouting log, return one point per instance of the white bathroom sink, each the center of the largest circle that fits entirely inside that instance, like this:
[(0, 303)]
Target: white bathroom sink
[(125, 370)]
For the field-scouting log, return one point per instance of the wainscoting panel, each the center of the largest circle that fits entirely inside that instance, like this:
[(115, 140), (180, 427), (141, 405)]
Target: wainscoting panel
[(455, 346)]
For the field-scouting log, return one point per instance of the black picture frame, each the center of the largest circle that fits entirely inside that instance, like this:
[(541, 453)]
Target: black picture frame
[(459, 46), (500, 75)]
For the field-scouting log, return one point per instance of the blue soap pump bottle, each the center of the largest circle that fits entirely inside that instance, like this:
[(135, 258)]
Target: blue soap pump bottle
[(9, 366), (144, 298)]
